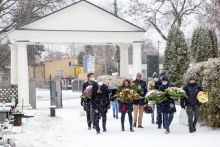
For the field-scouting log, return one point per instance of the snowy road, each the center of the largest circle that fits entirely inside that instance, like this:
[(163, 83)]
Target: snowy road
[(70, 130)]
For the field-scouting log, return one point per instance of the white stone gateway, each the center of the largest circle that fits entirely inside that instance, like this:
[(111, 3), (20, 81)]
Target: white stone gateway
[(80, 23)]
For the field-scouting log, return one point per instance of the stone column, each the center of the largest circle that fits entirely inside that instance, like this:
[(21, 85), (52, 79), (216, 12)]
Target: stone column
[(124, 66), (137, 65), (23, 82), (14, 64)]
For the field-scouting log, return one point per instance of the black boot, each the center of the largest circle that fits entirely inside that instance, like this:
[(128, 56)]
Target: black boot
[(114, 115), (159, 127), (98, 133), (131, 129), (104, 129), (89, 128), (122, 128)]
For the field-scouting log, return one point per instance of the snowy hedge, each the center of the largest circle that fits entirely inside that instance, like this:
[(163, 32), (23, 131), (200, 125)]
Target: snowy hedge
[(208, 75)]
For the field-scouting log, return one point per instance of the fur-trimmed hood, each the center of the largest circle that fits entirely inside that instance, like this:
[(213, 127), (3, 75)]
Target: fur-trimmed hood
[(126, 79)]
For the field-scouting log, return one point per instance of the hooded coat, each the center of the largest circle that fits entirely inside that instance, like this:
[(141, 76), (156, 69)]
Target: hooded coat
[(128, 105), (100, 101)]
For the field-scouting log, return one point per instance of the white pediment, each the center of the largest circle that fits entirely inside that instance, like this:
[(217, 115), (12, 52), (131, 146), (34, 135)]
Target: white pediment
[(81, 16)]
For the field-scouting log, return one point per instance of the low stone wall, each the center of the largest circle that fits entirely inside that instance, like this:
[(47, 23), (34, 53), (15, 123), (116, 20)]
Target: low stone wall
[(7, 91)]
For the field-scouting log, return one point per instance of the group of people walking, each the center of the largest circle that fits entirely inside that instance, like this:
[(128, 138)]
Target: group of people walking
[(98, 105)]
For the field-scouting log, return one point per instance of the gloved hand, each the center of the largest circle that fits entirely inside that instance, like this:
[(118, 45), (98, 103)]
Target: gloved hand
[(182, 106)]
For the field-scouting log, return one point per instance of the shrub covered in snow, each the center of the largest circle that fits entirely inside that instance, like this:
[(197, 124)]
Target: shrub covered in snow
[(204, 44), (176, 57), (207, 74)]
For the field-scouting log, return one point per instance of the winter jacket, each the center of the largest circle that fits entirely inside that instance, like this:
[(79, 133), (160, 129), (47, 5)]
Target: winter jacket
[(100, 101), (168, 106), (87, 101), (142, 92), (191, 92), (128, 105), (152, 82), (158, 84)]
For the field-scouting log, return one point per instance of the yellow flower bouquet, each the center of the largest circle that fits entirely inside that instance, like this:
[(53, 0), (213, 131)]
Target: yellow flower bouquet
[(203, 97)]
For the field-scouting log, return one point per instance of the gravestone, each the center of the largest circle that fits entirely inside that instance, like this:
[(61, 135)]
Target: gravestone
[(32, 92)]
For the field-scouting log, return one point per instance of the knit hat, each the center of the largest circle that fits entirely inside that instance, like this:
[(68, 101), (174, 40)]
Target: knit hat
[(139, 74), (100, 79), (162, 74), (165, 78), (155, 75), (192, 78)]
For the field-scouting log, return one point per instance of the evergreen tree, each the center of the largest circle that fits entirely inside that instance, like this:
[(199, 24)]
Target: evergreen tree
[(176, 57), (204, 44), (80, 57)]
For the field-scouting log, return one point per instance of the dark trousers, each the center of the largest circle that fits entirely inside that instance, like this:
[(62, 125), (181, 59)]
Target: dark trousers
[(90, 119), (168, 118), (104, 117), (123, 119), (193, 115), (160, 115)]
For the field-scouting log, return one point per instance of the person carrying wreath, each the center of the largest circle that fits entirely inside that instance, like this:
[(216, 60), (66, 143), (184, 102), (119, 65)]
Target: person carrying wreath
[(138, 105), (168, 106), (86, 103), (126, 107)]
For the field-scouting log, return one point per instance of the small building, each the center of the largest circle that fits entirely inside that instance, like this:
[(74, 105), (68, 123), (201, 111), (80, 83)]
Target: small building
[(64, 68)]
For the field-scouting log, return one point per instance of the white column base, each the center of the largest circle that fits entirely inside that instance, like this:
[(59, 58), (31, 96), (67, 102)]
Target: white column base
[(23, 80)]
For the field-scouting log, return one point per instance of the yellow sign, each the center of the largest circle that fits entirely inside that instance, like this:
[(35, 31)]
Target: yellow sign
[(78, 70)]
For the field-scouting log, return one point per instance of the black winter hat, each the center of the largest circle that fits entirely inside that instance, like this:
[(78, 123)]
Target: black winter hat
[(192, 78), (162, 74), (165, 78)]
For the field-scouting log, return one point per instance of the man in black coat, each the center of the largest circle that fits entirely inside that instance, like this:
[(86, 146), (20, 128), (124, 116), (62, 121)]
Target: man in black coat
[(138, 105), (86, 103), (192, 103), (100, 103)]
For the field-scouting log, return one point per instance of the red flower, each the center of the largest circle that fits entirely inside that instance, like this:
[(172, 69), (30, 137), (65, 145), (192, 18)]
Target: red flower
[(140, 94), (119, 90), (124, 96), (133, 91), (127, 91), (162, 95), (132, 97), (138, 97), (118, 96), (155, 95)]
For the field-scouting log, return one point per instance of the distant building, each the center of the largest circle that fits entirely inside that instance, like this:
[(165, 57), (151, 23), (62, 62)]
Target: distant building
[(64, 68)]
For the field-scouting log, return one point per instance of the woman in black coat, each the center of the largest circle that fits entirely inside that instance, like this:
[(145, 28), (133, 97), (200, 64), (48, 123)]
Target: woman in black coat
[(126, 107), (100, 103), (168, 106)]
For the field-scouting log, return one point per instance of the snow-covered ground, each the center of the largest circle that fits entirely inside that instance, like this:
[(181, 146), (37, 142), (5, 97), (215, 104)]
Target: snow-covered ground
[(68, 129)]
